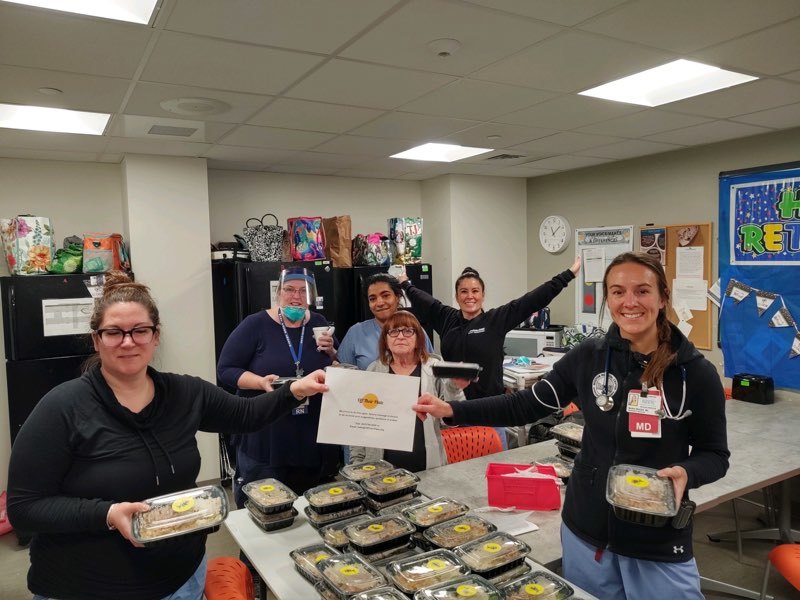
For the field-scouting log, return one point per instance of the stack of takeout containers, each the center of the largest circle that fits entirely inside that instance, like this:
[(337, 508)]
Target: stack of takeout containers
[(390, 487), (538, 584), (426, 570), (333, 534), (269, 503), (307, 558), (497, 557), (332, 502), (431, 513), (568, 439), (363, 470), (180, 513), (345, 575), (380, 538), (458, 531), (640, 496)]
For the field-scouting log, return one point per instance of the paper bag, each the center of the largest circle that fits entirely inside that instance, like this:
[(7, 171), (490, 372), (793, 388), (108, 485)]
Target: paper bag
[(338, 240)]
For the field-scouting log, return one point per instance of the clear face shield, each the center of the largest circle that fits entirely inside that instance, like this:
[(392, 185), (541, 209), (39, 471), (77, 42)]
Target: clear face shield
[(297, 287)]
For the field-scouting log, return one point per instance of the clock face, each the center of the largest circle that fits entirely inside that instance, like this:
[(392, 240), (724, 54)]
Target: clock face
[(555, 233)]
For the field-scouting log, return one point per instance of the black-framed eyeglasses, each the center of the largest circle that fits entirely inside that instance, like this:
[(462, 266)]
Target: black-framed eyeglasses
[(113, 336), (406, 331)]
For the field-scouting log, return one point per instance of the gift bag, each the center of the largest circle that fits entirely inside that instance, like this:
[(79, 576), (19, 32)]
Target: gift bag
[(371, 250), (263, 239), (103, 252), (405, 234), (306, 238), (68, 259), (28, 243), (338, 240)]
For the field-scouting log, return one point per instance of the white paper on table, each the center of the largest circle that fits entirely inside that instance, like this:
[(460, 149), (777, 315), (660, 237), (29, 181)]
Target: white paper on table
[(714, 293), (689, 262), (508, 520), (593, 264), (684, 314), (368, 409), (66, 316), (690, 293), (685, 328)]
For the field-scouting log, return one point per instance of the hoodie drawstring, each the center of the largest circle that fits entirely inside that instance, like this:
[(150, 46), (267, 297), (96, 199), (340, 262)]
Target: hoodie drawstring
[(153, 457)]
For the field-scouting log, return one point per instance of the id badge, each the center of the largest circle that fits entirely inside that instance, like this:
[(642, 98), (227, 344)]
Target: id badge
[(300, 410), (643, 419)]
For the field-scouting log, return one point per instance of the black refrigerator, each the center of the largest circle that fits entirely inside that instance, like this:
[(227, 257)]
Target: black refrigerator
[(421, 275), (45, 326)]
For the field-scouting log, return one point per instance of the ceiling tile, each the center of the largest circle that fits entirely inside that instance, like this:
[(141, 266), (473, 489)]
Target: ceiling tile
[(30, 154), (471, 99), (313, 116), (772, 51), (363, 146), (708, 133), (371, 86), (739, 100), (272, 137), (569, 112), (301, 170), (397, 166), (19, 85), (402, 38), (368, 173), (147, 98), (646, 122), (563, 12), (565, 142), (408, 126), (573, 62), (566, 162), (793, 76), (54, 40), (629, 149), (190, 60), (688, 25), (509, 135), (43, 140), (524, 171), (783, 117), (158, 147), (243, 154), (311, 25), (324, 160)]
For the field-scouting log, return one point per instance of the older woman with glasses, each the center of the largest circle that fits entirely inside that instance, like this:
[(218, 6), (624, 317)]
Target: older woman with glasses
[(94, 447), (279, 342), (401, 351)]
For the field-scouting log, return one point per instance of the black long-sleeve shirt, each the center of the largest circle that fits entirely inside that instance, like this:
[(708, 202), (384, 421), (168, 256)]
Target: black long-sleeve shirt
[(80, 451), (481, 339)]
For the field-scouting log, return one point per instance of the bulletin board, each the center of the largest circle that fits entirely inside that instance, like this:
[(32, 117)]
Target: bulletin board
[(701, 320)]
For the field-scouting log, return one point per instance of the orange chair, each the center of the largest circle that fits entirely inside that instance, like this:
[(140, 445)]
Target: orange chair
[(786, 560), (228, 578), (463, 443)]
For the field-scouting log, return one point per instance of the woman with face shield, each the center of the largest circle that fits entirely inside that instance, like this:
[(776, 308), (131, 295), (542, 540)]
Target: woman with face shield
[(272, 344)]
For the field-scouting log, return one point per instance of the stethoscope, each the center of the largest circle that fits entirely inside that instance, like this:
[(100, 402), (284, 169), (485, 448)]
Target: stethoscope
[(605, 402)]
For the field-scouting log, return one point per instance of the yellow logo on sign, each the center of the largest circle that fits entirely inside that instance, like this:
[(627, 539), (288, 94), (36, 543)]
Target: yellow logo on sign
[(183, 504), (369, 401), (637, 481)]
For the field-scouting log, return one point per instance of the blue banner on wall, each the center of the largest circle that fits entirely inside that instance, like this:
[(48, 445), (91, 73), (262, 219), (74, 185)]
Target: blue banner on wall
[(759, 254)]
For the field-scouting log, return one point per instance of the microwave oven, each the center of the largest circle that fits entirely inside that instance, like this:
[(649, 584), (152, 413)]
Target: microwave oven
[(530, 342)]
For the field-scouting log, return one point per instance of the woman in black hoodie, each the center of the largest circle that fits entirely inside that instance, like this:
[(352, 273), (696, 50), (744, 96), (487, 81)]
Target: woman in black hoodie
[(94, 447), (608, 556)]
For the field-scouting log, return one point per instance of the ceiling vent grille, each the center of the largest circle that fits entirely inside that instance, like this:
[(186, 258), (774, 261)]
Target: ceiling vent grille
[(170, 130), (506, 157)]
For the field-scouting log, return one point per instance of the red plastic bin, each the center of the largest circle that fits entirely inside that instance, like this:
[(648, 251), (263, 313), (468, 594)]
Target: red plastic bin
[(521, 492)]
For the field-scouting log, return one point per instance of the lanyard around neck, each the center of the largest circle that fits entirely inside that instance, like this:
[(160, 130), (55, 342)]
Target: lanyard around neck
[(298, 354)]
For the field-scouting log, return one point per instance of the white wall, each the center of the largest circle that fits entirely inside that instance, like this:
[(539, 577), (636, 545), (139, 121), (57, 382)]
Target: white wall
[(675, 188)]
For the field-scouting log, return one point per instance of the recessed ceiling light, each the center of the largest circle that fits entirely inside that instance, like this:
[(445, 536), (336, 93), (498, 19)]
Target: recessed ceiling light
[(440, 152), (673, 81), (133, 11), (195, 106), (59, 120), (444, 47)]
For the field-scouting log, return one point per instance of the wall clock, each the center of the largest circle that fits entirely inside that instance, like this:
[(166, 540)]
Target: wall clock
[(555, 234)]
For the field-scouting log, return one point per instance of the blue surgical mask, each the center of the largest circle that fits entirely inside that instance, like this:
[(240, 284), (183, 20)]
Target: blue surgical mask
[(294, 313)]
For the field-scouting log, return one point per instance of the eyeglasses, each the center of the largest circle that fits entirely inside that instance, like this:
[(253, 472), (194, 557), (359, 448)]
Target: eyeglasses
[(140, 335), (290, 291), (406, 331)]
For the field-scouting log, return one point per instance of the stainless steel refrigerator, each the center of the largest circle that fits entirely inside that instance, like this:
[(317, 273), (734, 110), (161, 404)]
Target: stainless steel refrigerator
[(45, 325)]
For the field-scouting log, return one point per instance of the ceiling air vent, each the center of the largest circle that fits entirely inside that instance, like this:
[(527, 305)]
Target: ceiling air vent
[(170, 130), (506, 157)]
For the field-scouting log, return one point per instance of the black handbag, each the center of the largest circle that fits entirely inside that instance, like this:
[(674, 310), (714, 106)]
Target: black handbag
[(264, 241)]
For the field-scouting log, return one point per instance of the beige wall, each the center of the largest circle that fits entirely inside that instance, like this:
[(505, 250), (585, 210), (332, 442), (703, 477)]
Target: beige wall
[(677, 187)]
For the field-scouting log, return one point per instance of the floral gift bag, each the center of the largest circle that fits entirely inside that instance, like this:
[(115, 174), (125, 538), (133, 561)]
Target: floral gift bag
[(28, 244)]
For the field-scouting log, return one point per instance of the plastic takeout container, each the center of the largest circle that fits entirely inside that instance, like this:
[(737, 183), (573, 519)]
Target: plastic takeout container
[(318, 520), (383, 593), (457, 370), (561, 466), (502, 578), (334, 497), (363, 470), (379, 534), (393, 507), (538, 585), (307, 558), (521, 492), (179, 513), (426, 570), (473, 587), (333, 534), (458, 531), (640, 496), (390, 485), (269, 495), (568, 433), (434, 511), (493, 554), (271, 521), (349, 574)]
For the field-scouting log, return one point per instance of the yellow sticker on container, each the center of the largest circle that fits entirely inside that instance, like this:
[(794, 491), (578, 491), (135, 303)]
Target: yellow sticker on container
[(436, 508), (375, 527), (267, 487), (368, 468), (534, 589), (349, 571), (436, 564), (335, 491), (635, 480), (183, 504), (320, 557), (492, 547), (390, 480), (466, 590), (462, 528)]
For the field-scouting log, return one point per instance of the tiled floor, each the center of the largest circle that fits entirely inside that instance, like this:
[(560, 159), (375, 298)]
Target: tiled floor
[(715, 560)]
